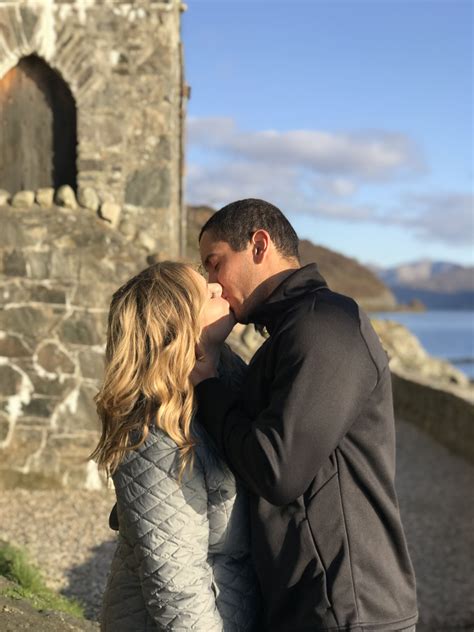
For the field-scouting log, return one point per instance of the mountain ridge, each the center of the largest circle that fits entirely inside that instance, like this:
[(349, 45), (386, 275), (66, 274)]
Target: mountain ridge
[(438, 284)]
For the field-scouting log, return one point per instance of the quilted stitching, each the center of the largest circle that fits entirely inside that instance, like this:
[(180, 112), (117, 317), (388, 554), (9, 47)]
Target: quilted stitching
[(182, 560)]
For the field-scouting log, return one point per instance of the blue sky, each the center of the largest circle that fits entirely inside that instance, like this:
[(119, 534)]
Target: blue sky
[(355, 117)]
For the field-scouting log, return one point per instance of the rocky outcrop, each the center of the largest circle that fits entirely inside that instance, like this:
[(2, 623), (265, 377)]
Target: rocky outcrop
[(429, 392), (408, 357)]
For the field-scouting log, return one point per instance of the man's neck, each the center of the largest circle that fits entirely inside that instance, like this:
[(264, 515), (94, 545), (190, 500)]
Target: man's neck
[(277, 279)]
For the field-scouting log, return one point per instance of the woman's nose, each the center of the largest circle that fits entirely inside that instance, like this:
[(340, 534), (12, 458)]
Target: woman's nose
[(214, 289)]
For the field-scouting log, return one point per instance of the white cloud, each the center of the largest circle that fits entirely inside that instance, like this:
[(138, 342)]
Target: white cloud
[(320, 174), (443, 217), (370, 155)]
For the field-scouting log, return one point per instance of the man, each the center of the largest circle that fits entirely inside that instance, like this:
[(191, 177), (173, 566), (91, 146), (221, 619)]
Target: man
[(312, 435)]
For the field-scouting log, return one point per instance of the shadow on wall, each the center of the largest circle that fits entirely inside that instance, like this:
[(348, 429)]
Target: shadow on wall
[(86, 582)]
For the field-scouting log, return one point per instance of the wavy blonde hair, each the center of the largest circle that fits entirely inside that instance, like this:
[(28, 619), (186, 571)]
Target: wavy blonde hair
[(153, 327)]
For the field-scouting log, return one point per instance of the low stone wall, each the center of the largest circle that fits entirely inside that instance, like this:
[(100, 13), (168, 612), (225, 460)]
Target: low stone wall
[(447, 414)]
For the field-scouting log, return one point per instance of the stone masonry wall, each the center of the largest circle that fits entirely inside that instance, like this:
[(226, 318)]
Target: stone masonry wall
[(59, 267), (63, 252), (123, 64)]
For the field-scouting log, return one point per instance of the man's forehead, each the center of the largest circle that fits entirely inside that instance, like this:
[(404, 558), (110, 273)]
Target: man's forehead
[(210, 247)]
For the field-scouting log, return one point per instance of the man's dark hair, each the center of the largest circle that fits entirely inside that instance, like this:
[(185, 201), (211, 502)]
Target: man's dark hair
[(237, 222)]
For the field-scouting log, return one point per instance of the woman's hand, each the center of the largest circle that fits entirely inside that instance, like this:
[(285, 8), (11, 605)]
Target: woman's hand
[(207, 359)]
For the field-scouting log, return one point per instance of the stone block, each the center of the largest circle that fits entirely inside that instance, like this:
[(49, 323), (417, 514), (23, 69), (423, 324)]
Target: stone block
[(38, 264), (10, 381), (146, 240), (14, 263), (162, 150), (94, 267), (128, 229), (4, 427), (44, 294), (79, 413), (4, 197), (75, 449), (149, 187), (52, 387), (90, 165), (31, 322), (17, 291), (65, 264), (39, 407), (66, 197), (110, 212), (88, 198), (83, 328), (53, 359), (45, 197), (111, 131), (12, 346), (97, 295), (91, 363), (23, 199), (24, 443), (29, 20)]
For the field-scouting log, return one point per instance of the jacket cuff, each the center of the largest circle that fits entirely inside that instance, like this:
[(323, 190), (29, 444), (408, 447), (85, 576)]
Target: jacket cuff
[(214, 400)]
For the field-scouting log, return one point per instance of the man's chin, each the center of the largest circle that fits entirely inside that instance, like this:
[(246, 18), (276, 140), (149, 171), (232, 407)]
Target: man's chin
[(238, 318)]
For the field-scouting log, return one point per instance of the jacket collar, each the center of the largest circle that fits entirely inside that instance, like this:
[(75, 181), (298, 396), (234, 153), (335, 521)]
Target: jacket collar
[(298, 284)]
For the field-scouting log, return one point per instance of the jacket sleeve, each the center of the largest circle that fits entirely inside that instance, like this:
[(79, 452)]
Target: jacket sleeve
[(166, 524), (321, 375), (231, 369)]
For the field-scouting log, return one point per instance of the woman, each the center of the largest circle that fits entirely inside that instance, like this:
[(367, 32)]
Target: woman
[(182, 560)]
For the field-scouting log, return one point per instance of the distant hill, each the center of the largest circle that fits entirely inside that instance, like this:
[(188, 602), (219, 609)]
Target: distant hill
[(438, 284), (343, 275), (349, 277)]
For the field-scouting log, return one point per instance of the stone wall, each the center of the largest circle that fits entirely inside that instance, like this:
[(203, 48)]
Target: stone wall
[(122, 62), (59, 267), (444, 412)]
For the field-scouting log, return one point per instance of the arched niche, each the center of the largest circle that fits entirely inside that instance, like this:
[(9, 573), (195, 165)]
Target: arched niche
[(38, 128)]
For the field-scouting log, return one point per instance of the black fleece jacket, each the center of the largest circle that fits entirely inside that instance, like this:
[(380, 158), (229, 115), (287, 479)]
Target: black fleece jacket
[(312, 436)]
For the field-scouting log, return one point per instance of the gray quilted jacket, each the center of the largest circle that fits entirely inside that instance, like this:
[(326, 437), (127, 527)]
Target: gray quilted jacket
[(182, 560)]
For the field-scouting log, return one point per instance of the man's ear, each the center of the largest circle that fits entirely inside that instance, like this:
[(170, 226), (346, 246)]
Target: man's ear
[(260, 243)]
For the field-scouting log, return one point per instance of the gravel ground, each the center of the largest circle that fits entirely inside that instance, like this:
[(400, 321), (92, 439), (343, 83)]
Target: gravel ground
[(435, 490), (67, 536), (67, 533)]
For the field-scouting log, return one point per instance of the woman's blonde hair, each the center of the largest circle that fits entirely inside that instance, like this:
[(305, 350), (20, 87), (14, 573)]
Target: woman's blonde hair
[(152, 332)]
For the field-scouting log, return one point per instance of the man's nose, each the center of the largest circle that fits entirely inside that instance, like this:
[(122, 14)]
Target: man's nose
[(215, 289)]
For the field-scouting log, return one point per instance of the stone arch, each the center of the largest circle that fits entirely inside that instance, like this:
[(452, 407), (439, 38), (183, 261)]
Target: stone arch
[(38, 127)]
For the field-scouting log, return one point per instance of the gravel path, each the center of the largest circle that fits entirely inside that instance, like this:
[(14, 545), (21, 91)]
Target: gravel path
[(435, 490), (67, 534)]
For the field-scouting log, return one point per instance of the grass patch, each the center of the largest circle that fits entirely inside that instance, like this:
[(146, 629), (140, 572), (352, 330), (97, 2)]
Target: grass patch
[(29, 584)]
